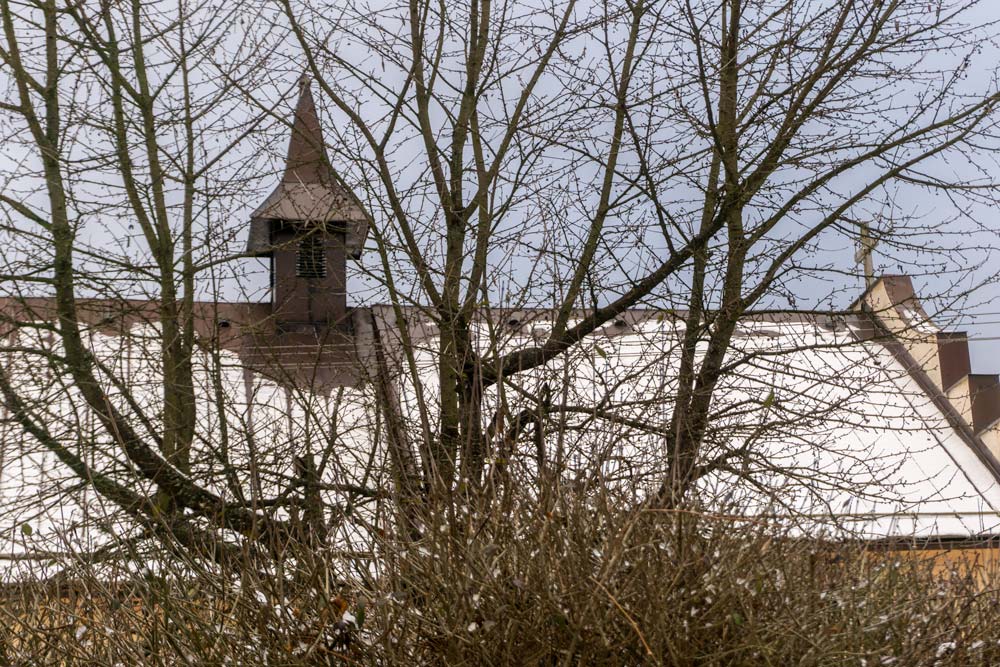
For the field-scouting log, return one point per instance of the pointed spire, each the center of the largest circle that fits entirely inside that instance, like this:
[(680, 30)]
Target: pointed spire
[(310, 190), (307, 161)]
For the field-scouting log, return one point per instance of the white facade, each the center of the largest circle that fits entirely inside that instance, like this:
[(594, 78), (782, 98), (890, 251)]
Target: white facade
[(836, 433)]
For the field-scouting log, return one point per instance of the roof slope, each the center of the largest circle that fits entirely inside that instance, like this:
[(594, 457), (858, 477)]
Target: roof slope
[(823, 424), (845, 429)]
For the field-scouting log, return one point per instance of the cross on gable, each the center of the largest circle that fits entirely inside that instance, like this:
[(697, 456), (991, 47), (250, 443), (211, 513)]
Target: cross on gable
[(863, 255)]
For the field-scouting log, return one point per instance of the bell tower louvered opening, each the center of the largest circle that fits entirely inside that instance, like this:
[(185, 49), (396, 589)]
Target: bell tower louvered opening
[(310, 259)]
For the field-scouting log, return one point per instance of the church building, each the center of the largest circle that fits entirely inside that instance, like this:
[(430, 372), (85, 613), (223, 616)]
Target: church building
[(875, 406)]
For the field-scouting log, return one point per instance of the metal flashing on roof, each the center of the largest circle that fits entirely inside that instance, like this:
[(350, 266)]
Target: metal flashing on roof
[(985, 394), (953, 353)]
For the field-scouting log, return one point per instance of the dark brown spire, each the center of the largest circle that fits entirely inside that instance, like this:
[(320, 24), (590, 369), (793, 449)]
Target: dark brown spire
[(307, 161), (310, 190)]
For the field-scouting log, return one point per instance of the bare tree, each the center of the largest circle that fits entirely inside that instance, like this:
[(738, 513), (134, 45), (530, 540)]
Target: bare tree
[(589, 159), (570, 161)]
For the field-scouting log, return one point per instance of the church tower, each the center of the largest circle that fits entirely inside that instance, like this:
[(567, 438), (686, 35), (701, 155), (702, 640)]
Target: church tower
[(308, 226)]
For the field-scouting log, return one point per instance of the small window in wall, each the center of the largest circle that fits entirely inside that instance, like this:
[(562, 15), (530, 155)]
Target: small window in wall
[(311, 259)]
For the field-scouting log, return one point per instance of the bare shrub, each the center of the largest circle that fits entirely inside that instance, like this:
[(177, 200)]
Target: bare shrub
[(565, 580)]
